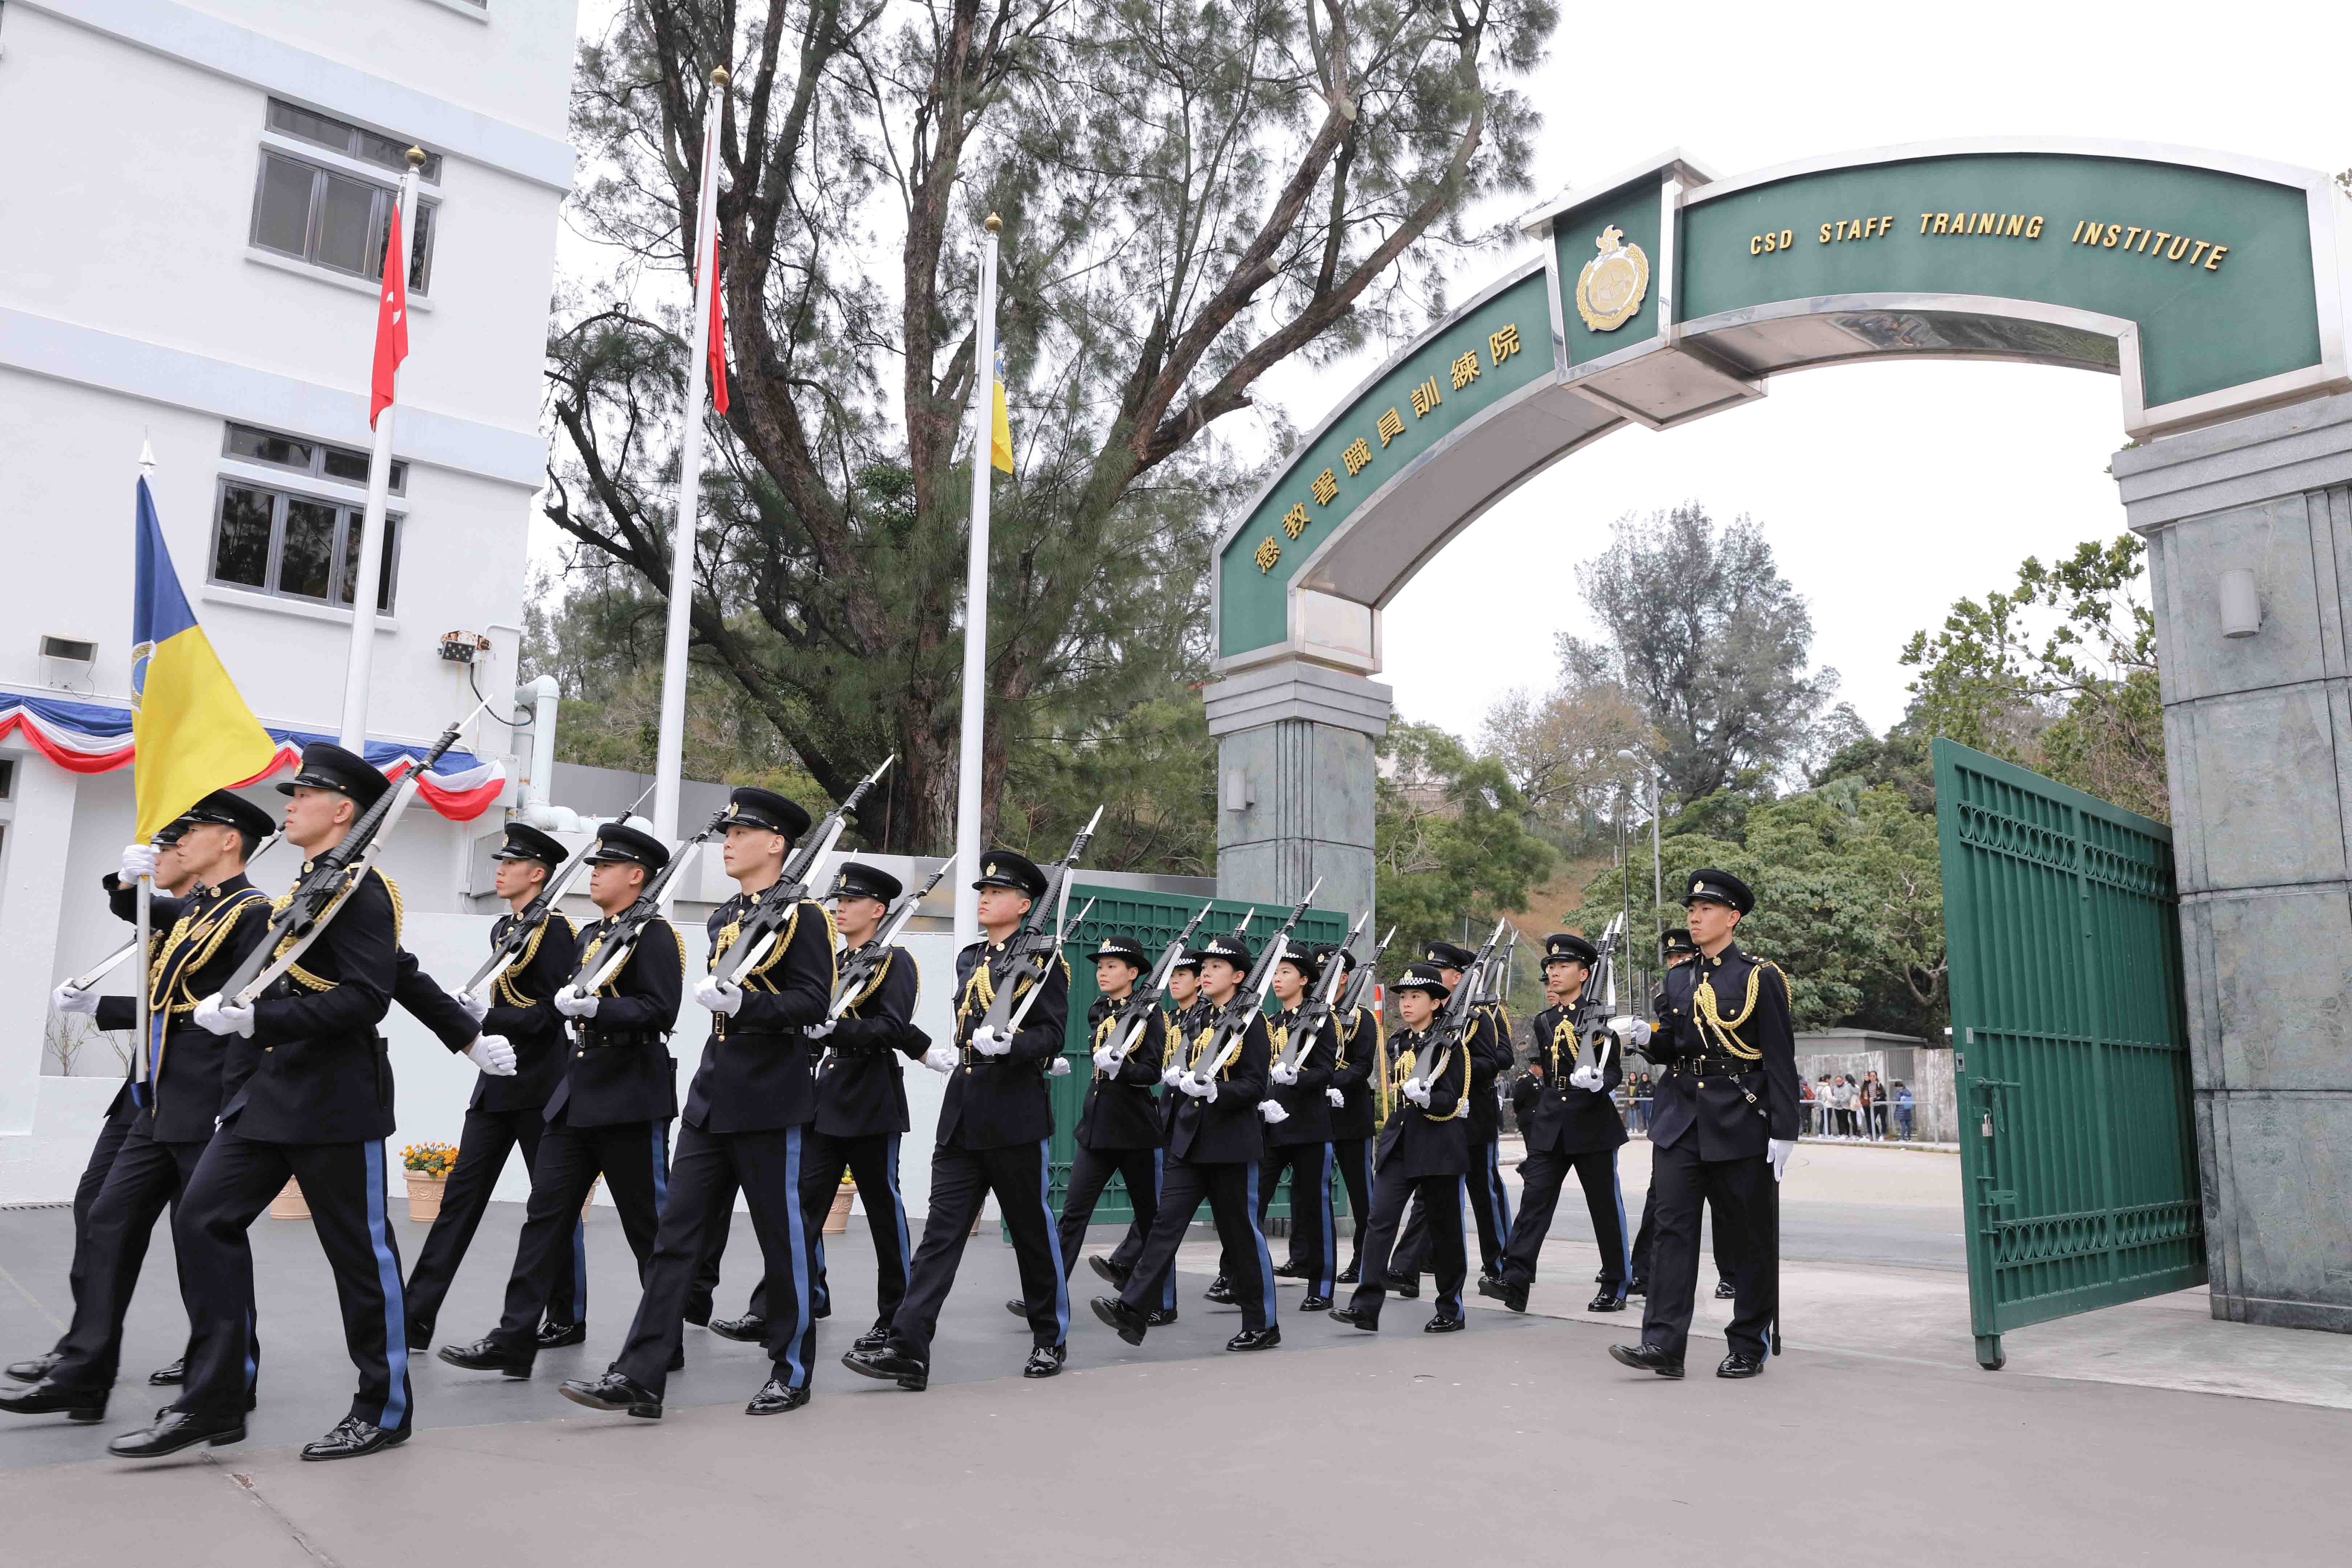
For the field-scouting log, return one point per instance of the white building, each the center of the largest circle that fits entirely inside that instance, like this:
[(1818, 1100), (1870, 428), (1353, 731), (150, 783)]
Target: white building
[(189, 214)]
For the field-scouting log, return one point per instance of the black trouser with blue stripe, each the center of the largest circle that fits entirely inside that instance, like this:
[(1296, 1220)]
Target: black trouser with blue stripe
[(1490, 1209), (1232, 1191), (1143, 1171), (873, 1162), (1541, 1175), (633, 1159), (1438, 1197), (703, 1180), (1314, 1241), (345, 1185), (962, 1179), (1739, 1192), (110, 1134), (482, 1148)]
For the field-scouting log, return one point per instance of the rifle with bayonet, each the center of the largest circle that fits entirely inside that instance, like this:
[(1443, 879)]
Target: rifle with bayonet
[(1249, 998), (619, 938), (1035, 945), (1429, 1060), (858, 967), (1056, 1065), (333, 875), (509, 949), (757, 931), (1135, 1014), (1594, 1022), (1318, 1008), (88, 980)]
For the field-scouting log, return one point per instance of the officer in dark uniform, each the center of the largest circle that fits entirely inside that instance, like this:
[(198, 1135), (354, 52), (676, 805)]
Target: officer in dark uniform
[(508, 1110), (1424, 1153), (746, 1111), (1357, 1080), (995, 1134), (1725, 1124), (1188, 1015), (1569, 1121), (1676, 947), (1216, 1147), (1298, 1139), (610, 1112), (306, 1089), (1488, 1041), (198, 941)]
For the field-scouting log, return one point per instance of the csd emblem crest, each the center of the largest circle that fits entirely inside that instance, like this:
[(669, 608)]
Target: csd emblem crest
[(1613, 284)]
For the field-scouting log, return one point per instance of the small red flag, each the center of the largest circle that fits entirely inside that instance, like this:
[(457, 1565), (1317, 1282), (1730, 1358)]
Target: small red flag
[(391, 321), (717, 330)]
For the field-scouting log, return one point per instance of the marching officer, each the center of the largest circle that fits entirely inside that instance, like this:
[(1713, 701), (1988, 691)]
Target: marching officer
[(306, 1093), (746, 1111), (199, 939), (610, 1112), (995, 1134), (1676, 949), (1569, 1121), (508, 1110), (1358, 1078), (1299, 1140), (1725, 1126), (1216, 1146), (1188, 1015), (1488, 1040), (1424, 1153)]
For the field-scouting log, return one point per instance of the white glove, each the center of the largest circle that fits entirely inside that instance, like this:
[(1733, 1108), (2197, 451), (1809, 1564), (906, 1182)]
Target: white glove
[(223, 1017), (941, 1059), (571, 1004), (476, 1007), (493, 1054), (1102, 1056), (720, 996), (1060, 1068), (1284, 1076), (1196, 1087), (1776, 1152), (1273, 1112), (1417, 1092), (819, 1031), (988, 1042), (1170, 1073), (138, 860), (1635, 1032), (66, 999), (1339, 1100), (1587, 1078)]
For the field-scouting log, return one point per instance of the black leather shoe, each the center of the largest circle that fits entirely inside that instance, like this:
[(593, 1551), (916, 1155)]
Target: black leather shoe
[(174, 1430), (1126, 1320), (873, 1339), (1355, 1320), (1264, 1339), (484, 1356), (1639, 1287), (169, 1376), (890, 1367), (775, 1397), (1740, 1364), (1647, 1358), (1608, 1300), (1018, 1308), (46, 1398), (1515, 1297), (1288, 1270), (1443, 1323), (1105, 1269), (1044, 1360), (556, 1336), (746, 1330), (420, 1339), (1725, 1290), (1407, 1285), (821, 1309), (352, 1438), (613, 1391), (676, 1360), (1601, 1277), (1350, 1274), (1314, 1303), (1220, 1290), (1494, 1274), (1159, 1317), (33, 1371)]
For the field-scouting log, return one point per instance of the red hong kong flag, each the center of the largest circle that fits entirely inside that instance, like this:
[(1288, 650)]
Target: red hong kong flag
[(717, 331), (391, 321)]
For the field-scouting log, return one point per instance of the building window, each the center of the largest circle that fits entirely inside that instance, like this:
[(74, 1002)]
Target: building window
[(278, 540), (333, 217)]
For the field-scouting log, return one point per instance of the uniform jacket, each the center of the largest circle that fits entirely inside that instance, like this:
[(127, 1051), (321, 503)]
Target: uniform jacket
[(620, 1070), (998, 1102), (1184, 1024), (1228, 1131), (1428, 1142), (1555, 1114), (1120, 1112), (1310, 1121), (522, 1011), (315, 1071), (1359, 1055), (1488, 1040), (859, 1091), (1741, 1016), (195, 943), (759, 1066)]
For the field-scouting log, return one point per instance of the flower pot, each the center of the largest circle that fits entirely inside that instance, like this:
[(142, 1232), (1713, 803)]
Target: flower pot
[(425, 1196), (288, 1204), (837, 1219)]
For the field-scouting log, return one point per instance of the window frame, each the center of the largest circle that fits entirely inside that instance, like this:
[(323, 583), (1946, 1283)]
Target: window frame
[(347, 513), (323, 162), (317, 470)]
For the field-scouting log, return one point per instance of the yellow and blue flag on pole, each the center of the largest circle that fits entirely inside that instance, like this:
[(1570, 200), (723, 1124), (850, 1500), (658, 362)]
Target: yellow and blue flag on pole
[(1000, 427), (192, 732)]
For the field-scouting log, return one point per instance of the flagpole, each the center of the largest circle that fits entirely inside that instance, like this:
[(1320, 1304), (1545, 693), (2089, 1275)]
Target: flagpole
[(669, 746), (143, 1065), (975, 597), (362, 662)]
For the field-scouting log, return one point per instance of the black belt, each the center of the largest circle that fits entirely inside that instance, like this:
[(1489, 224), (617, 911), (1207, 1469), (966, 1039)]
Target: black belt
[(604, 1039), (1718, 1067)]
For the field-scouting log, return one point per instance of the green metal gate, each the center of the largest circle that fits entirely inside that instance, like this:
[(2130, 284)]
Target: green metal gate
[(2078, 1140), (1152, 919)]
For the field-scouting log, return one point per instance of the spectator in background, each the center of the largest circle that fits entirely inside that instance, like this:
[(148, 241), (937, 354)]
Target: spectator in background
[(1903, 1106), (1866, 1103), (1805, 1106)]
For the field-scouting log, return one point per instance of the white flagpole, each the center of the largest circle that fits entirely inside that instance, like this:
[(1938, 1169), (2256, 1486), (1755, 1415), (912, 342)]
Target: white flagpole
[(975, 600), (356, 669), (143, 1065), (669, 746)]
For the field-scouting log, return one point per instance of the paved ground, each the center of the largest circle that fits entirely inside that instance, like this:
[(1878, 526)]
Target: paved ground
[(1511, 1424)]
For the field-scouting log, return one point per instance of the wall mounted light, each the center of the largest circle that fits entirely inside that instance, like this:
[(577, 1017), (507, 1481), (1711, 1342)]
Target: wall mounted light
[(2242, 604), (1237, 790)]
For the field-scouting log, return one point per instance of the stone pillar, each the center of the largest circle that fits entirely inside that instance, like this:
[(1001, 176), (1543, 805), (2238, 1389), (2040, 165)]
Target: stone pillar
[(2258, 738), (1295, 783), (36, 830)]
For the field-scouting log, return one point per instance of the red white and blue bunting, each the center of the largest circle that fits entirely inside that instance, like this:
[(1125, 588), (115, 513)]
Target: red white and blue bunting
[(95, 738)]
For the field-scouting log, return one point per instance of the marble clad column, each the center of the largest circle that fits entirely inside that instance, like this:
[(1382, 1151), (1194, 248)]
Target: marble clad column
[(1295, 753)]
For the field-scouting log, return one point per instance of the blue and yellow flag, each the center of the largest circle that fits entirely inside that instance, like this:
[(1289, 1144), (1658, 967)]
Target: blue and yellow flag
[(1000, 426), (193, 733)]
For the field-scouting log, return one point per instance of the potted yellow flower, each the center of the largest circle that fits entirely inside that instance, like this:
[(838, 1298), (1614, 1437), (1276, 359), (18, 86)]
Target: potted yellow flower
[(837, 1220), (428, 1176)]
